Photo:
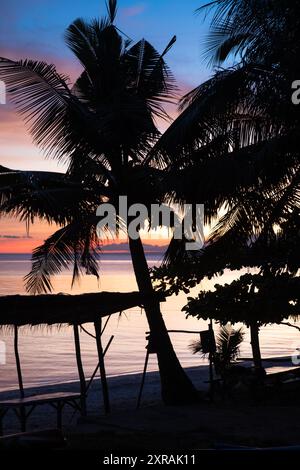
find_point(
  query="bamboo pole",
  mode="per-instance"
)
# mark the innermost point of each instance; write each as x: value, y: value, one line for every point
x: 97, y: 367
x: 18, y: 363
x: 98, y: 332
x: 20, y: 378
x: 80, y: 370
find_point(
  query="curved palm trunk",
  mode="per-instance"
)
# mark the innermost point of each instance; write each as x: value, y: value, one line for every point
x: 176, y: 387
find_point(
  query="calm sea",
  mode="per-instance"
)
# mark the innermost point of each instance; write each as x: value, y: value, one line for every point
x: 47, y: 355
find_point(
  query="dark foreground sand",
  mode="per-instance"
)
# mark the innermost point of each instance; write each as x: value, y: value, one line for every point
x: 123, y: 392
x: 274, y: 422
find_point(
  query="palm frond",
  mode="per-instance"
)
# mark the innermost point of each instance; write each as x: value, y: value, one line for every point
x: 228, y: 342
x: 74, y: 245
x: 241, y: 27
x: 52, y: 197
x: 80, y: 39
x: 153, y: 79
x: 51, y: 111
x: 112, y: 8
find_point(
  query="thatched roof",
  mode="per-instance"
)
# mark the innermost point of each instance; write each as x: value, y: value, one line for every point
x: 24, y: 310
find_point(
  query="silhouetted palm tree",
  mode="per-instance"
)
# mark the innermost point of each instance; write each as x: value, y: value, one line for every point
x: 228, y: 342
x: 240, y: 131
x: 103, y: 128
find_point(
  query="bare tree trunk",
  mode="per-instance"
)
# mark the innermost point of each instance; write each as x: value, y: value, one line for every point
x: 20, y: 379
x: 18, y: 363
x: 98, y: 333
x: 176, y: 387
x: 80, y: 370
x: 254, y: 334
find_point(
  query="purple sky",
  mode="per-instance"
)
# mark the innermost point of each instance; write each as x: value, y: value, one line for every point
x: 35, y: 28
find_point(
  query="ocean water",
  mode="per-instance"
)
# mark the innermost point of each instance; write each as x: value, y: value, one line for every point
x: 47, y: 355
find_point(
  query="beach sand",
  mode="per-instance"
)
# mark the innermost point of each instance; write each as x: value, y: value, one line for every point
x: 123, y: 391
x: 155, y: 426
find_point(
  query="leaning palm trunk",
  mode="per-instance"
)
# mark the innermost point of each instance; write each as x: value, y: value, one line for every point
x: 176, y: 388
x: 107, y: 143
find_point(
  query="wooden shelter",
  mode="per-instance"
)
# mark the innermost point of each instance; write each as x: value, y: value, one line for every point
x: 27, y: 310
x: 61, y: 309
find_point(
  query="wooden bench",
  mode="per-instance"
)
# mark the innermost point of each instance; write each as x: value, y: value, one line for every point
x: 23, y: 407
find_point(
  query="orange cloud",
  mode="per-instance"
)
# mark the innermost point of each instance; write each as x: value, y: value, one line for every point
x: 18, y: 245
x: 13, y: 235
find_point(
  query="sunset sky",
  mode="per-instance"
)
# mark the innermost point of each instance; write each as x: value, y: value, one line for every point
x: 34, y: 29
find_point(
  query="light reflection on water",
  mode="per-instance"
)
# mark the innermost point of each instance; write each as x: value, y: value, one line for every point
x: 47, y: 355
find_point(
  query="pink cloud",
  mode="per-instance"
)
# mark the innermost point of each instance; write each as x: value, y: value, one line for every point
x: 69, y: 66
x: 16, y: 147
x: 135, y: 10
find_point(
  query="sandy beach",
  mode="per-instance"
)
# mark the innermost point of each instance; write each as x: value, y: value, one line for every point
x: 203, y: 426
x: 123, y: 395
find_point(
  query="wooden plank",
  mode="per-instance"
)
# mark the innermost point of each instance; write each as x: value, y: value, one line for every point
x: 37, y: 399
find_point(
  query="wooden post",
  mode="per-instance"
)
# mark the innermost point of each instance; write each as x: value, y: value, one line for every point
x: 20, y: 379
x: 96, y: 369
x: 98, y: 332
x: 80, y: 370
x: 211, y: 358
x: 18, y: 364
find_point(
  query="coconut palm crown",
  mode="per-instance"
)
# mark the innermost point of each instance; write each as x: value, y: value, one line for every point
x: 103, y: 128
